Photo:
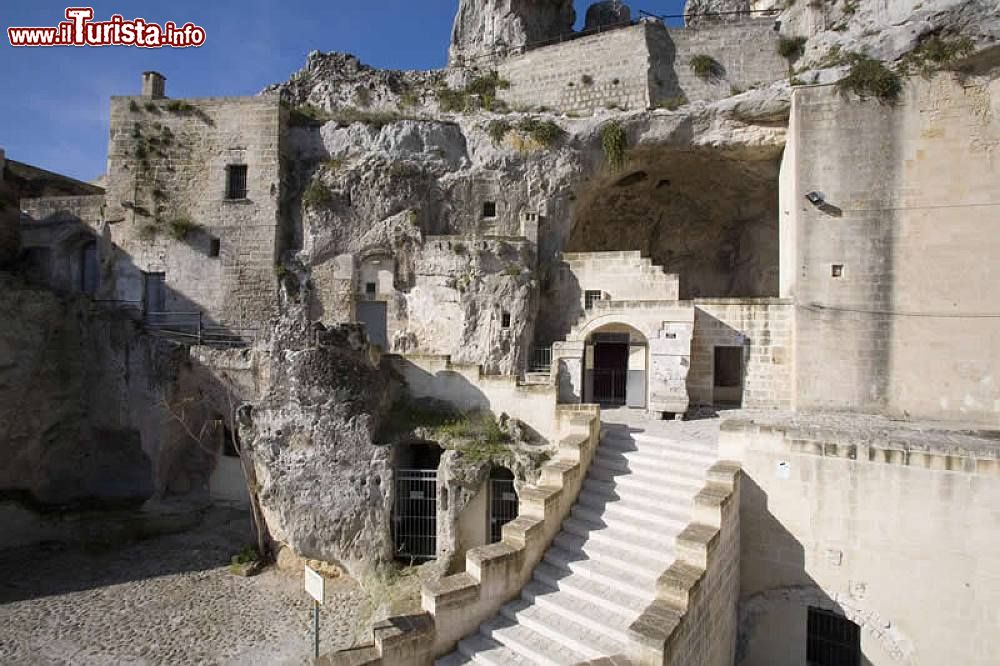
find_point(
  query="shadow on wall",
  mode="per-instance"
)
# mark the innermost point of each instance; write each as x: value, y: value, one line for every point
x: 794, y: 622
x: 561, y: 305
x: 713, y: 383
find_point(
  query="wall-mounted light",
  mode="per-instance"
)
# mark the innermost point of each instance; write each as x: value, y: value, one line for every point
x: 815, y: 198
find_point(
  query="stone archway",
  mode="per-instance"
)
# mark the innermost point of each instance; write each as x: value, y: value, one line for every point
x: 616, y: 366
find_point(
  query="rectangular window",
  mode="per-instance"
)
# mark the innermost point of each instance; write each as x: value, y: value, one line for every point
x: 214, y: 247
x: 371, y: 288
x: 489, y: 209
x: 728, y: 366
x: 505, y: 320
x: 832, y: 640
x: 590, y: 296
x: 236, y: 181
x: 837, y: 270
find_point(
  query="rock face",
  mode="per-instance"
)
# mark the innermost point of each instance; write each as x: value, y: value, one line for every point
x: 607, y: 13
x: 700, y: 12
x: 482, y: 29
x: 77, y: 391
x: 324, y: 485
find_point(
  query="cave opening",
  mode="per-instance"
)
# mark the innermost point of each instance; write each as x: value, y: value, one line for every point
x: 708, y: 216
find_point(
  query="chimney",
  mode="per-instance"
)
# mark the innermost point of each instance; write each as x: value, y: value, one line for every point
x: 154, y: 85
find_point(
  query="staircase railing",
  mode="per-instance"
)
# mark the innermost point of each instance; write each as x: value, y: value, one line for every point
x: 541, y: 360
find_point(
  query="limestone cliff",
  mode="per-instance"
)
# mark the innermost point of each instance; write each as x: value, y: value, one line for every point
x: 484, y: 28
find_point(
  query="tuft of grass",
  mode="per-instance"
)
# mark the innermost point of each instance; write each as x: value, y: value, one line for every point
x: 179, y: 106
x: 871, y: 78
x: 181, y: 227
x: 791, y: 48
x: 614, y: 142
x: 935, y: 52
x: 498, y: 130
x: 306, y: 114
x: 672, y: 103
x: 484, y: 86
x: 317, y: 195
x: 148, y: 232
x: 705, y: 67
x: 545, y: 132
x: 133, y: 106
x: 833, y: 58
x: 452, y: 101
x: 409, y: 99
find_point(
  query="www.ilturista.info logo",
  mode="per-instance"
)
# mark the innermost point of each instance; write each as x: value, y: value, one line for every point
x: 81, y: 30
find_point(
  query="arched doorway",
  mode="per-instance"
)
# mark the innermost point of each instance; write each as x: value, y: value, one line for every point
x: 616, y: 367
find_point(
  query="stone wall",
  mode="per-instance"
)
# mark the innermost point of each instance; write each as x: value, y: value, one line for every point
x: 53, y: 234
x: 857, y: 516
x: 746, y: 53
x: 9, y: 219
x: 890, y: 273
x: 638, y: 66
x: 616, y: 62
x: 167, y: 202
x: 763, y: 329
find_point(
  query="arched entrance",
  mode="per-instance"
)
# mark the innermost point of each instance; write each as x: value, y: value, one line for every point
x: 616, y: 367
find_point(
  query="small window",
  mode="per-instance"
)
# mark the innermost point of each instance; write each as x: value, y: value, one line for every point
x: 832, y: 640
x: 371, y: 288
x: 236, y: 181
x: 489, y: 209
x: 214, y: 247
x: 837, y: 270
x: 505, y: 320
x: 590, y: 296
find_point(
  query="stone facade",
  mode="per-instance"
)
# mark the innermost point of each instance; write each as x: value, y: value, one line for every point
x: 762, y: 328
x: 884, y: 271
x: 169, y: 211
x: 643, y: 65
x: 857, y: 516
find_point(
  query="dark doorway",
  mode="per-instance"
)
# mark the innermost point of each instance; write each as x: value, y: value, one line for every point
x: 89, y: 274
x: 373, y: 315
x: 832, y: 640
x: 155, y: 292
x: 503, y: 501
x: 610, y: 373
x: 728, y: 377
x: 414, y: 519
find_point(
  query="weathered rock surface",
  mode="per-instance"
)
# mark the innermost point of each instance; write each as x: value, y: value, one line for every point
x: 607, y: 13
x: 323, y: 483
x: 483, y: 29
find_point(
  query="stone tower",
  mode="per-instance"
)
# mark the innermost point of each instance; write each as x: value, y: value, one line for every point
x: 485, y: 30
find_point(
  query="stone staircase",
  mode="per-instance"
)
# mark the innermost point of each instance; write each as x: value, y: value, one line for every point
x: 600, y: 572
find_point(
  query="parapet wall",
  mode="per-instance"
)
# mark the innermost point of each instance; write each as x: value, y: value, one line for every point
x: 639, y: 66
x: 858, y: 516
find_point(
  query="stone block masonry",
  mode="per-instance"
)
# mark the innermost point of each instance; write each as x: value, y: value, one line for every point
x: 172, y: 209
x: 640, y: 66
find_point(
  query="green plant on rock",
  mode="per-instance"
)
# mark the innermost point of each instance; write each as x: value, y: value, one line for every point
x: 935, y: 52
x: 133, y: 106
x: 181, y: 227
x: 452, y: 101
x: 409, y: 99
x: 179, y: 106
x: 545, y: 132
x: 147, y: 232
x: 791, y: 48
x: 871, y: 78
x: 498, y: 130
x: 306, y: 114
x: 318, y: 195
x: 614, y: 142
x: 705, y: 67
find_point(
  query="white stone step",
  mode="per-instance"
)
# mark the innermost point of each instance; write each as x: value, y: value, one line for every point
x: 652, y: 462
x: 621, y: 557
x: 560, y: 629
x: 663, y: 499
x: 637, y: 441
x: 676, y: 488
x: 589, y: 513
x: 647, y: 544
x: 628, y: 508
x: 638, y: 582
x: 529, y: 644
x: 484, y: 650
x: 597, y: 618
x: 672, y: 488
x: 616, y: 599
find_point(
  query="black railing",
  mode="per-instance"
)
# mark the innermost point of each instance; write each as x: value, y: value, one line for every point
x: 541, y: 360
x: 503, y: 506
x: 190, y: 328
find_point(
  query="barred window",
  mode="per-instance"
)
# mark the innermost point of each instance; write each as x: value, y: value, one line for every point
x: 832, y: 640
x: 590, y: 296
x: 236, y: 181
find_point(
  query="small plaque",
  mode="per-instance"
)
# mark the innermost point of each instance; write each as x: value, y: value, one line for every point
x: 783, y: 470
x: 315, y: 584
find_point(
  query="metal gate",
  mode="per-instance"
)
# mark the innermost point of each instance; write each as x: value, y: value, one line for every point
x: 414, y: 519
x: 503, y: 506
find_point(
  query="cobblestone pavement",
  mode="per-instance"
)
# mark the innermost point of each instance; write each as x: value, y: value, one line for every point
x: 168, y: 600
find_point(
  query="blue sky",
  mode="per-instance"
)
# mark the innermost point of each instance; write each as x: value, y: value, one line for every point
x: 54, y: 106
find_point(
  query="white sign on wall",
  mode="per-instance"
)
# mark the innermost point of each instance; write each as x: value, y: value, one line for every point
x: 315, y: 584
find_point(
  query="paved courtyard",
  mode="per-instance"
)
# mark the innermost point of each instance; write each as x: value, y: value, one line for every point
x: 168, y: 600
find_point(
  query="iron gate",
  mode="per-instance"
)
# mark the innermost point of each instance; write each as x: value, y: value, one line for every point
x: 414, y: 517
x: 503, y: 506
